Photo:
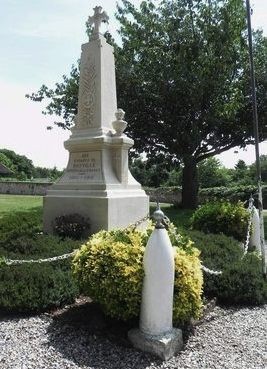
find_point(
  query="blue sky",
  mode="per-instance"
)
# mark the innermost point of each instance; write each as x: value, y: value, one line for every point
x: 40, y: 40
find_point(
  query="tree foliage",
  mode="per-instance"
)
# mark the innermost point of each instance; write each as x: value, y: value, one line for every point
x: 24, y: 168
x: 184, y: 64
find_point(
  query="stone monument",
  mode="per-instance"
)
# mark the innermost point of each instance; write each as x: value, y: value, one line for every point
x: 97, y: 183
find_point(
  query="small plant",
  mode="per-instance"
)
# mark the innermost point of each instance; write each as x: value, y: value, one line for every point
x: 109, y: 269
x: 222, y: 217
x: 72, y: 226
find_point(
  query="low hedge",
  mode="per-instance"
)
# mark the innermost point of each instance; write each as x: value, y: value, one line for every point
x: 233, y: 194
x: 222, y: 217
x: 33, y: 287
x: 241, y: 282
x: 36, y: 287
x: 18, y: 225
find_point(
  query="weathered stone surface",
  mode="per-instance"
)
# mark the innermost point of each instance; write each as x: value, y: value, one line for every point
x: 164, y: 346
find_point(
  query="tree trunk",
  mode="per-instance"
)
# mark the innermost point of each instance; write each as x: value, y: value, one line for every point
x: 190, y: 184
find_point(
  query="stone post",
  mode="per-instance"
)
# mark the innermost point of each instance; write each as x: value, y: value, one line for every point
x: 156, y: 334
x: 255, y: 239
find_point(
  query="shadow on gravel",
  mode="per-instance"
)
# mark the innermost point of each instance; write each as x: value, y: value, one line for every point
x: 82, y: 334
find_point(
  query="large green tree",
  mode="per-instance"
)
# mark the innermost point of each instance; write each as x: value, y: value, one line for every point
x: 183, y: 79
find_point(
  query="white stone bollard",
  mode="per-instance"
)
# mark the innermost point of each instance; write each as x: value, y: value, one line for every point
x: 255, y: 238
x: 158, y: 284
x: 156, y: 334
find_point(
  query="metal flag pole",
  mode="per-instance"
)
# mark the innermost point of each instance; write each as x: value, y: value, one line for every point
x: 256, y: 135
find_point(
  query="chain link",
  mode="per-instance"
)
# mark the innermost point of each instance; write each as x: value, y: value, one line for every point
x: 39, y: 261
x: 60, y: 257
x: 210, y: 271
x: 251, y: 209
x: 138, y: 222
x: 134, y: 225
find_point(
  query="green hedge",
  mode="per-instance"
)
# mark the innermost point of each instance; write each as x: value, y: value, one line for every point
x: 223, y: 217
x: 36, y: 287
x: 233, y: 194
x: 241, y: 282
x: 33, y: 287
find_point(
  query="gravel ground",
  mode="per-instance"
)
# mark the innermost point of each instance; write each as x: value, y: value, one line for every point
x: 226, y: 338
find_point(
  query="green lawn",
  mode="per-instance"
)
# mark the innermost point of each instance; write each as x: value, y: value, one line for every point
x: 15, y: 203
x: 179, y: 217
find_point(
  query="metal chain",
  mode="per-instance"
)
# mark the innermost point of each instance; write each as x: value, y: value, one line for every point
x: 48, y: 260
x: 138, y: 222
x: 209, y: 271
x: 134, y: 225
x: 55, y: 258
x: 251, y: 210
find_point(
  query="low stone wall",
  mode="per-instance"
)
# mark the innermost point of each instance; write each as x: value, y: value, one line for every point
x: 168, y: 195
x: 24, y: 188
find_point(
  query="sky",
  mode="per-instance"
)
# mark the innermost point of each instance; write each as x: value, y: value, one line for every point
x: 40, y: 40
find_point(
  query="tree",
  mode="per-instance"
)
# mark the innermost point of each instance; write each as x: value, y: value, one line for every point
x: 22, y: 166
x: 6, y: 161
x: 263, y: 164
x: 152, y: 172
x: 184, y: 63
x: 212, y: 173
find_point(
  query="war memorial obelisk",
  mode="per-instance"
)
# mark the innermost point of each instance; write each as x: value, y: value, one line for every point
x: 97, y: 183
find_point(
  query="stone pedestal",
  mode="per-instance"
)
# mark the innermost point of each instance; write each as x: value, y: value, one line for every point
x: 97, y: 182
x: 164, y: 346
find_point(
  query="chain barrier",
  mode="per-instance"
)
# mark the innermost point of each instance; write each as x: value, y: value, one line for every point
x: 5, y: 261
x: 251, y: 211
x: 210, y: 271
x: 135, y: 225
x: 38, y: 261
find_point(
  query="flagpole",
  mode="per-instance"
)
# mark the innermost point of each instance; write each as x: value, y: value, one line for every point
x: 256, y: 134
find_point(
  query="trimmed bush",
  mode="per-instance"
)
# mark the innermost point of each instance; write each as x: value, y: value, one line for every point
x: 36, y: 287
x: 109, y: 269
x: 72, y: 226
x: 222, y: 217
x: 241, y: 281
x: 233, y: 194
x: 33, y: 287
x: 19, y: 225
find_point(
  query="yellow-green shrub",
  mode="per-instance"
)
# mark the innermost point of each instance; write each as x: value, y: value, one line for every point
x: 109, y: 269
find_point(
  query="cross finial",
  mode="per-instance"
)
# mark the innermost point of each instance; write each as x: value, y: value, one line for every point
x: 97, y: 19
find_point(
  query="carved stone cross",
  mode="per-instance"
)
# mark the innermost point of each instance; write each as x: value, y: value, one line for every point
x: 97, y: 19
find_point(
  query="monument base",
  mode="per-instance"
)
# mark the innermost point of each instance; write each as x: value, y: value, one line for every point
x: 164, y: 346
x: 110, y: 212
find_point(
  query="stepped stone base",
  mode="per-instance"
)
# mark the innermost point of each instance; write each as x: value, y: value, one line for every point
x: 164, y: 346
x: 106, y: 213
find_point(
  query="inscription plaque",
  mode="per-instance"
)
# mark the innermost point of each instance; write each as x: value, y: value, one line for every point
x: 84, y: 166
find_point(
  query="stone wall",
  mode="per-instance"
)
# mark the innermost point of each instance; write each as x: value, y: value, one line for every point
x: 24, y: 188
x: 168, y: 195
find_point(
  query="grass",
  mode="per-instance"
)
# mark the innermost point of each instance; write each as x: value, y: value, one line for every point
x: 18, y: 203
x: 179, y: 217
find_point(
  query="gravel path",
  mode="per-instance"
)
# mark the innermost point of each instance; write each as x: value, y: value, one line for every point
x: 232, y: 339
